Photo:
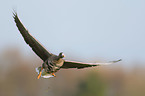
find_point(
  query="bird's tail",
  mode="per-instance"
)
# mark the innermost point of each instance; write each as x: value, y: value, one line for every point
x: 44, y: 74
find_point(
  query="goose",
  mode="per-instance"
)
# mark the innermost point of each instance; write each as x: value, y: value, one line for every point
x: 51, y: 62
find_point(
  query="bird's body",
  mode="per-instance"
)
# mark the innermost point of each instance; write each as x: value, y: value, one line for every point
x: 51, y: 63
x: 50, y: 66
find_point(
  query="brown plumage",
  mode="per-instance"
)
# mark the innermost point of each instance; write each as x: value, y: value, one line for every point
x: 52, y: 63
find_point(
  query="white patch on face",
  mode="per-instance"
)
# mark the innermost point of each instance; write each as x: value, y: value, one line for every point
x: 44, y: 74
x: 63, y: 55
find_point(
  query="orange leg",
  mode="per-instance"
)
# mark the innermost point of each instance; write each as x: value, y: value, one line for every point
x: 40, y: 73
x: 53, y: 75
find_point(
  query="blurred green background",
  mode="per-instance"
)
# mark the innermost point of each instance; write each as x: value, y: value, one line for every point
x: 18, y: 78
x: 86, y: 31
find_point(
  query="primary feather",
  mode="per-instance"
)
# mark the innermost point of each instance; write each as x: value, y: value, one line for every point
x: 30, y: 40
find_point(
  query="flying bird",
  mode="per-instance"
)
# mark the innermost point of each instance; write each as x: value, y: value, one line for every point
x: 51, y: 62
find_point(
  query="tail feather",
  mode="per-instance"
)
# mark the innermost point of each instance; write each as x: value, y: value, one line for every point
x: 44, y: 73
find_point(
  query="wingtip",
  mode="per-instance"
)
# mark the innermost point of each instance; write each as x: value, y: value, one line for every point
x: 120, y: 60
x: 14, y: 13
x: 116, y: 61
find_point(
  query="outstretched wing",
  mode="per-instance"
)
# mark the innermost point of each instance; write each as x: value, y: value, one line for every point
x: 79, y: 65
x: 30, y: 40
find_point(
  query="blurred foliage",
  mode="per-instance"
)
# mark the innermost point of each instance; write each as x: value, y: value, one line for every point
x: 92, y: 85
x: 18, y: 78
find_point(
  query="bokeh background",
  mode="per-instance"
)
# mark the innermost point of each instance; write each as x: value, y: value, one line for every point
x: 86, y: 31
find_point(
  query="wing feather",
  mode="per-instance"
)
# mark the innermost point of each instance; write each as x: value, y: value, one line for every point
x: 79, y: 65
x: 30, y: 40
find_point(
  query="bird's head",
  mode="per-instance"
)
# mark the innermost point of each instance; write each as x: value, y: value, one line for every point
x: 61, y: 55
